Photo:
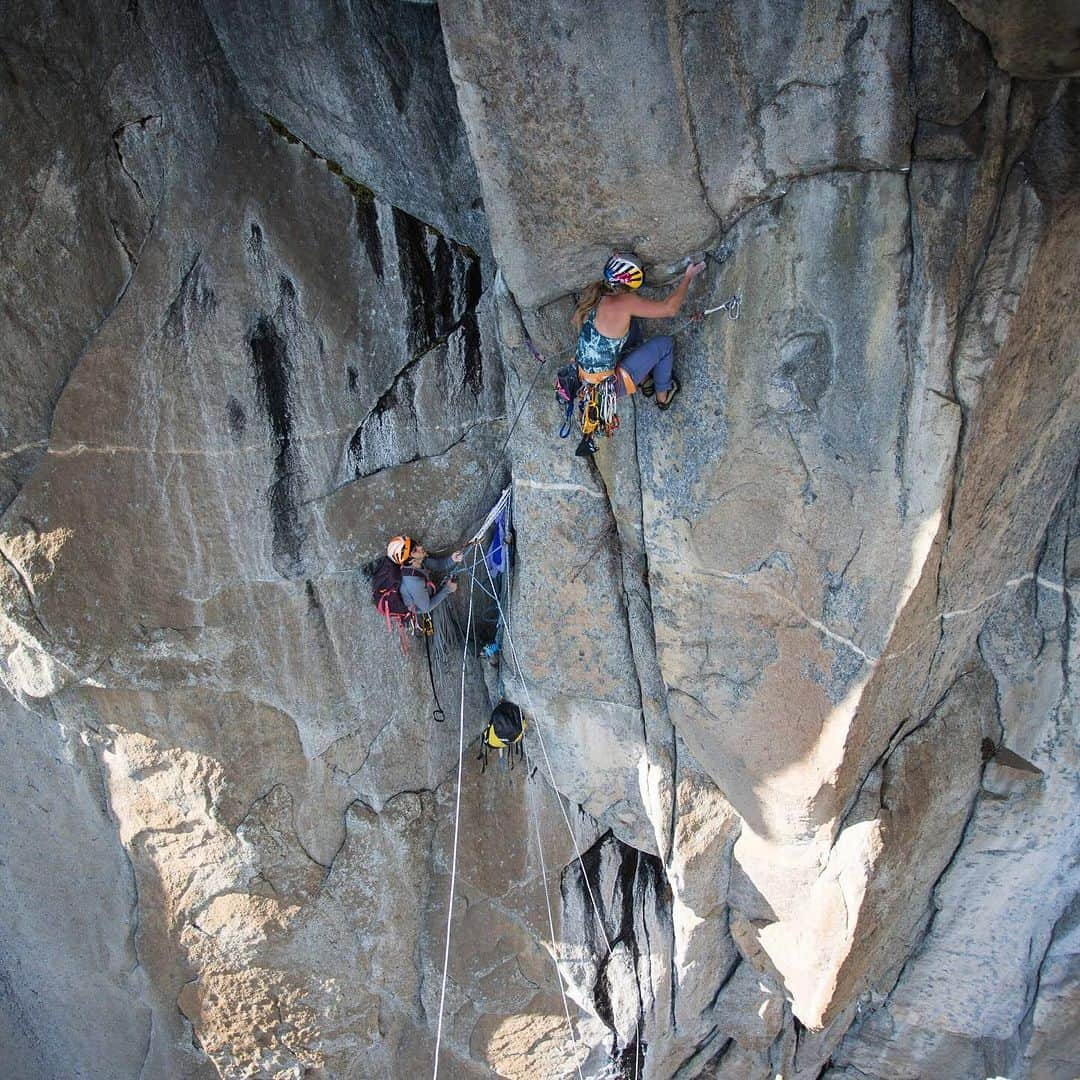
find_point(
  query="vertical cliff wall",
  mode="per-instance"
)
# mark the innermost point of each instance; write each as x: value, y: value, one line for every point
x: 801, y: 651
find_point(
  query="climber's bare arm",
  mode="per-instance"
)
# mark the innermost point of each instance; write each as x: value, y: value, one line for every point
x: 620, y: 308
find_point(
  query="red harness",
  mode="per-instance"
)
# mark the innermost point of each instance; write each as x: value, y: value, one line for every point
x: 404, y: 618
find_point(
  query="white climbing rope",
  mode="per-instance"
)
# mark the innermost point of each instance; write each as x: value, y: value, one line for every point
x: 457, y: 821
x: 547, y: 761
x: 551, y: 925
x: 496, y: 510
x: 558, y: 796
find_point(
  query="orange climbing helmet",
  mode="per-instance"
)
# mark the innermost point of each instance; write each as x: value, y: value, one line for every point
x: 399, y: 549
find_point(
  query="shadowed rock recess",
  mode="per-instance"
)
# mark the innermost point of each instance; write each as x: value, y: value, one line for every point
x: 804, y: 652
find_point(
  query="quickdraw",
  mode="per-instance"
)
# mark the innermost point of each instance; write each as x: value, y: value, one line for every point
x: 731, y: 306
x: 589, y: 409
x: 607, y: 402
x: 598, y: 408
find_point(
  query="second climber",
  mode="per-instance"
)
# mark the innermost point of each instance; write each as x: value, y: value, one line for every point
x: 417, y: 589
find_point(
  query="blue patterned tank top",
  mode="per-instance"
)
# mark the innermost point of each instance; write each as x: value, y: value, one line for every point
x: 597, y: 352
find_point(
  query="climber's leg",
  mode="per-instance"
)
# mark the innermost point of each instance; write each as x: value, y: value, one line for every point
x: 655, y: 357
x: 634, y: 339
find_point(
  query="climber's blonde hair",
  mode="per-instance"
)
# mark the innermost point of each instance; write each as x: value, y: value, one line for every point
x: 590, y: 297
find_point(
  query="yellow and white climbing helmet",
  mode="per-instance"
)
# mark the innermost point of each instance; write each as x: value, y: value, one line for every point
x: 624, y: 270
x: 399, y: 549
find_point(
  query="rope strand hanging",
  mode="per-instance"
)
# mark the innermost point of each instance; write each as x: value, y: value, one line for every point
x: 457, y: 822
x: 558, y: 796
x: 551, y: 772
x: 551, y: 926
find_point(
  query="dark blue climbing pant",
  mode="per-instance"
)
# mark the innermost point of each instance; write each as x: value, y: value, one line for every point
x: 655, y: 355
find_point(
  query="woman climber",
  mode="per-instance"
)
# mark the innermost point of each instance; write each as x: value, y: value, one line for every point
x: 611, y: 344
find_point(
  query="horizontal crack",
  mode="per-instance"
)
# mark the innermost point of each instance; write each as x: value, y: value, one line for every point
x: 869, y: 658
x: 782, y: 185
x: 76, y: 448
x: 817, y: 624
x: 22, y: 448
x: 468, y: 430
x: 1012, y: 583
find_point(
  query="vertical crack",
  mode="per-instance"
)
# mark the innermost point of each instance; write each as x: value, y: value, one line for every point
x: 149, y: 1043
x: 28, y: 591
x: 675, y: 21
x: 116, y: 137
x: 903, y: 427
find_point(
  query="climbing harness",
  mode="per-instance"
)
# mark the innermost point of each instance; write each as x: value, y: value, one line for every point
x: 596, y: 402
x: 386, y: 596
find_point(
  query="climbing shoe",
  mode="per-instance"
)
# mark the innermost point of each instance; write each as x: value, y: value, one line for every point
x: 586, y: 448
x: 665, y: 405
x: 648, y: 387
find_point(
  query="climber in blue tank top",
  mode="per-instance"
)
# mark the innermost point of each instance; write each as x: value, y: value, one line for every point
x: 610, y: 343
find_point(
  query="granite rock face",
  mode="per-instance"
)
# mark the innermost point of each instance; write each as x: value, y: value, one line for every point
x: 1033, y: 41
x: 367, y: 86
x: 799, y: 656
x: 736, y: 101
